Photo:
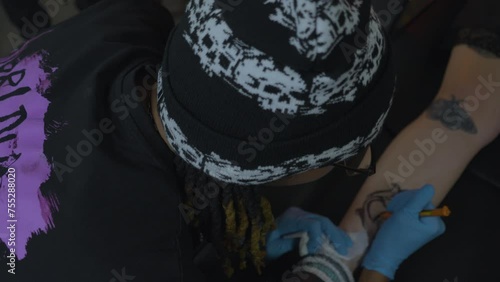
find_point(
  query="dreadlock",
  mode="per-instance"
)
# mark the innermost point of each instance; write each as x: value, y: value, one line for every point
x: 236, y: 219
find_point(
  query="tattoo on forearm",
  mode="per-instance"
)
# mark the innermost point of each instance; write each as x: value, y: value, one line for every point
x: 452, y: 115
x: 375, y: 204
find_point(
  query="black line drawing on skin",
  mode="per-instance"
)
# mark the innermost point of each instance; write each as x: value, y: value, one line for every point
x: 374, y: 205
x: 452, y: 115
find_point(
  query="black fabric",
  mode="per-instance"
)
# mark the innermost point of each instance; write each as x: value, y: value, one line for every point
x: 481, y: 38
x: 257, y: 30
x: 223, y: 126
x: 217, y: 111
x: 238, y: 117
x: 387, y: 10
x: 477, y: 25
x: 84, y: 4
x: 97, y: 192
x: 479, y: 14
x: 27, y: 15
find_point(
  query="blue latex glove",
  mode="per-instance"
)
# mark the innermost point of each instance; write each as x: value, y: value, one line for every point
x: 295, y: 220
x: 404, y: 232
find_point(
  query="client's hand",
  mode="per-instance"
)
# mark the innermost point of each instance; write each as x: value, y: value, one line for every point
x: 295, y: 220
x: 404, y: 232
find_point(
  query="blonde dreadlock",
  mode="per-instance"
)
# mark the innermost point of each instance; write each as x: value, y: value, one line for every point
x: 236, y: 220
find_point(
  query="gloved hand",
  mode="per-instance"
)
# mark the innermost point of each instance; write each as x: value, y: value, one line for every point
x: 295, y: 220
x: 404, y: 232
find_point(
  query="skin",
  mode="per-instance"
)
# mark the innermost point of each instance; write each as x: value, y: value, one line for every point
x: 372, y: 276
x: 465, y: 137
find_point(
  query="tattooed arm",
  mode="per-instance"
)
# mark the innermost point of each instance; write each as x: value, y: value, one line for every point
x: 369, y: 213
x: 438, y: 145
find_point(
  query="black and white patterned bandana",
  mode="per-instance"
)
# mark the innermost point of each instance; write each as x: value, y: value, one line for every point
x: 257, y: 91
